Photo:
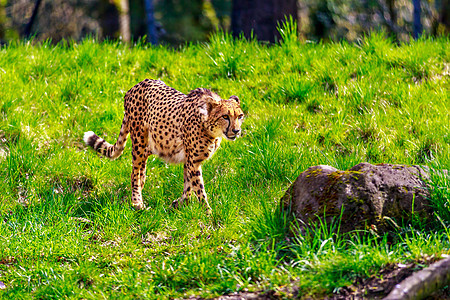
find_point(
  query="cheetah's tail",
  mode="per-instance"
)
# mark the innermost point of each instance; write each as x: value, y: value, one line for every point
x: 105, y: 148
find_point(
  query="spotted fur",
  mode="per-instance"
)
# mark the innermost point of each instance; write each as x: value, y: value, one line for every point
x: 178, y: 128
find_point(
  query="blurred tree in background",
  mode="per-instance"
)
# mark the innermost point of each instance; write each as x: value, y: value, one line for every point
x: 178, y: 21
x: 185, y: 20
x: 349, y: 19
x: 61, y: 19
x: 261, y: 18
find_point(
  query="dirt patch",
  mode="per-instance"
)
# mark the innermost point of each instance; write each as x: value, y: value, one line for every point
x: 64, y: 184
x: 378, y: 286
x: 8, y: 260
x: 374, y: 287
x: 247, y: 296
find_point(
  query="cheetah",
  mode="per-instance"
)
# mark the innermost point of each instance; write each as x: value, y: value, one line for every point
x: 179, y: 128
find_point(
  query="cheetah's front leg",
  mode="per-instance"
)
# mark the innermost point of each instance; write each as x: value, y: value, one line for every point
x: 193, y: 183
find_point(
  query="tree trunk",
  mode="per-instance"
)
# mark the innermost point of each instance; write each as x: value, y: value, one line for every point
x: 109, y: 19
x: 393, y: 18
x: 124, y: 12
x: 261, y: 18
x: 444, y: 16
x: 33, y: 17
x: 417, y: 21
x: 150, y: 22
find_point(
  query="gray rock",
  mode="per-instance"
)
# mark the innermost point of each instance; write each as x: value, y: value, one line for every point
x: 423, y: 283
x: 374, y: 197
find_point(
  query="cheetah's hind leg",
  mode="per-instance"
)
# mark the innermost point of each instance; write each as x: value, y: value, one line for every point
x: 177, y: 203
x: 138, y: 175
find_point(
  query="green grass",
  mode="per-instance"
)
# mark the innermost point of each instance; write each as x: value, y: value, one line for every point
x: 66, y: 225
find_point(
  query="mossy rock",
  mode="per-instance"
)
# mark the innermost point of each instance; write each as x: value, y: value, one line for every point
x: 369, y: 197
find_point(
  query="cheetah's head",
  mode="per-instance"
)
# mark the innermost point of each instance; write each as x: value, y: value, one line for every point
x: 222, y: 118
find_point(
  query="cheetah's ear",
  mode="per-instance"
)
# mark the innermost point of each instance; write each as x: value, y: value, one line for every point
x: 211, y: 103
x: 207, y: 106
x: 235, y: 98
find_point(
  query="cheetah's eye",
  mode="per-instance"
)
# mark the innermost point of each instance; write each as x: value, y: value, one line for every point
x: 226, y: 117
x: 241, y: 117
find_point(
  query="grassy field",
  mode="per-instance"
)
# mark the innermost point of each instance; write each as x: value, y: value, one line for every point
x: 67, y: 229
